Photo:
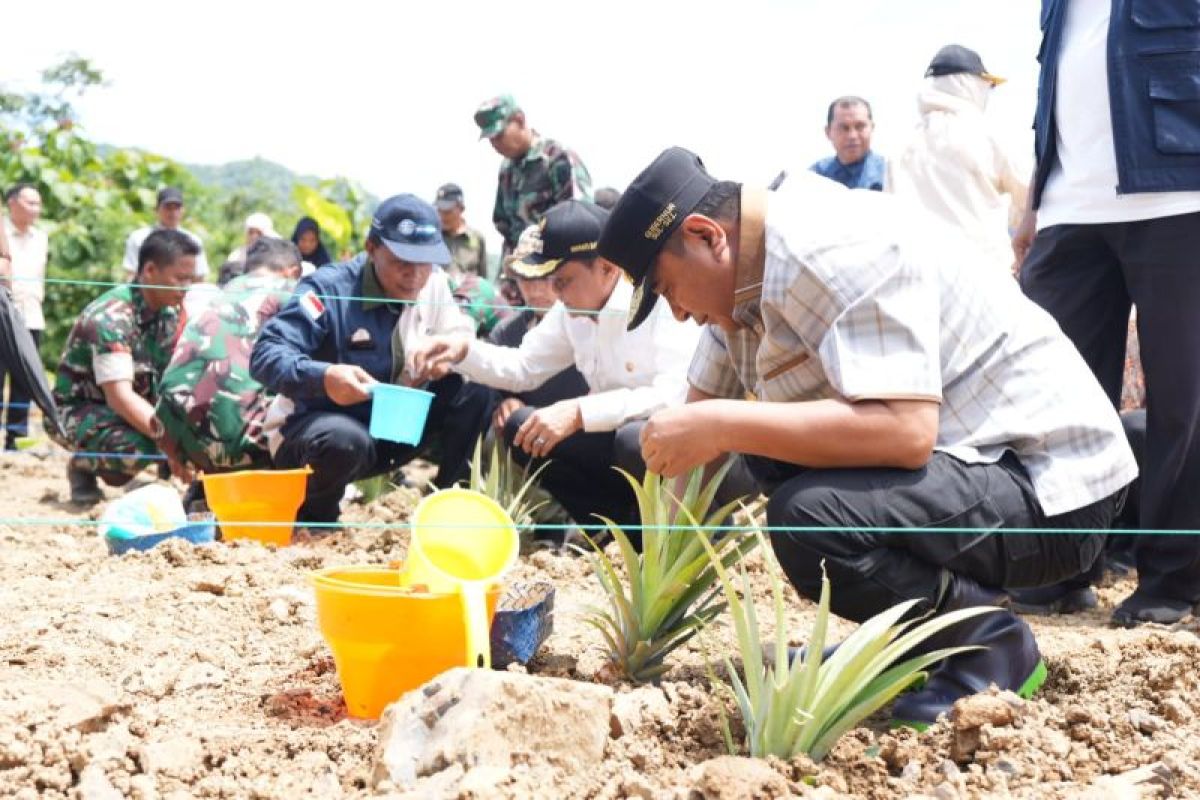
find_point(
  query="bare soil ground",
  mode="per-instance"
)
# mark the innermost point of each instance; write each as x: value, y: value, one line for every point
x: 199, y: 672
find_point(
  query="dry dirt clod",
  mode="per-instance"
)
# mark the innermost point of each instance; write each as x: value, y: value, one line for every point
x: 1144, y: 721
x: 737, y: 778
x: 478, y: 717
x: 640, y: 708
x: 979, y: 710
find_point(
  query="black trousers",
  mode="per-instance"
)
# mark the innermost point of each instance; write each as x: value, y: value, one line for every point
x: 1087, y: 276
x: 340, y: 449
x: 580, y: 475
x: 872, y: 570
x: 16, y: 408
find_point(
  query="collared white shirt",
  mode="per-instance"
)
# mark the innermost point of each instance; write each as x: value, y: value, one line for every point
x: 436, y: 313
x: 136, y: 239
x: 630, y: 374
x: 858, y: 296
x: 30, y: 252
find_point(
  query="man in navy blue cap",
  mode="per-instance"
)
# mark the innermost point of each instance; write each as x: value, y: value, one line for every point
x: 347, y: 327
x: 899, y: 387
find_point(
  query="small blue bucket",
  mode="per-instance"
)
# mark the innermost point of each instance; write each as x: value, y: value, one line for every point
x: 398, y: 413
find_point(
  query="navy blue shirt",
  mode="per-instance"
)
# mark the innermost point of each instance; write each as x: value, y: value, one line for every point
x: 322, y: 325
x: 865, y: 174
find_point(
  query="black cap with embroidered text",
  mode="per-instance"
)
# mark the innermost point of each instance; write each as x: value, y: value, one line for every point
x: 411, y: 229
x: 649, y: 211
x: 954, y: 58
x: 569, y: 230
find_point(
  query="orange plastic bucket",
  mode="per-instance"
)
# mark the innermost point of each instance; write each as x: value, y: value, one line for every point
x: 387, y: 640
x: 242, y: 499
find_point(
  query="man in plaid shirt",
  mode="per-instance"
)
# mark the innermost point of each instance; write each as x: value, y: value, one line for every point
x: 898, y: 386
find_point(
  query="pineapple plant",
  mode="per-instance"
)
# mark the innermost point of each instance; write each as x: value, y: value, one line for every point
x: 806, y: 706
x: 670, y: 590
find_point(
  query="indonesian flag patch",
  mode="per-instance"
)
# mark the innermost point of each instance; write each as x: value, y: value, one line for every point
x: 312, y: 305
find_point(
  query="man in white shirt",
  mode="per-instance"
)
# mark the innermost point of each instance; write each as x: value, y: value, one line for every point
x: 630, y: 374
x: 900, y: 387
x: 29, y: 248
x: 954, y: 165
x: 169, y: 210
x: 1115, y: 204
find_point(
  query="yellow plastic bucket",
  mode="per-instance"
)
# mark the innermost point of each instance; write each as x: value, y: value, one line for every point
x: 387, y: 640
x: 462, y: 541
x: 241, y: 499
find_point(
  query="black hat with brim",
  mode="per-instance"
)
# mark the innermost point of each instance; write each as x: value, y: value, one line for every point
x: 569, y: 230
x: 649, y: 211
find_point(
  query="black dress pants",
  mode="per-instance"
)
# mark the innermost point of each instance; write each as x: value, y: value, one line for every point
x: 963, y: 510
x: 16, y: 416
x: 340, y: 449
x: 1086, y: 277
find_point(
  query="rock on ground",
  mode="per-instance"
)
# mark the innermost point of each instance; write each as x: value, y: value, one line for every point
x: 479, y: 718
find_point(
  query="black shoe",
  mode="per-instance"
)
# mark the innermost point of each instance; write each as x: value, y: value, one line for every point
x: 1010, y: 660
x: 164, y: 471
x: 1139, y: 608
x: 1057, y: 599
x: 960, y: 593
x: 85, y: 491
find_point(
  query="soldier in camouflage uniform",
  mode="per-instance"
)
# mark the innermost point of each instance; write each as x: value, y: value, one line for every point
x: 537, y: 172
x: 210, y: 408
x: 468, y: 248
x: 115, y: 354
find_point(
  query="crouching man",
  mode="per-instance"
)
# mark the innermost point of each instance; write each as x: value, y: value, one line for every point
x: 211, y: 409
x: 901, y: 387
x: 109, y: 375
x: 630, y: 374
x: 347, y: 327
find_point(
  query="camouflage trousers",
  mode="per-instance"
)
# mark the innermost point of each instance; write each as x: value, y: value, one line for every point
x: 106, y: 442
x: 223, y: 436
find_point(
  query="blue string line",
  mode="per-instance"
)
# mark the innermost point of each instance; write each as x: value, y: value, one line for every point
x: 68, y: 521
x: 86, y: 454
x: 388, y: 300
x: 16, y: 405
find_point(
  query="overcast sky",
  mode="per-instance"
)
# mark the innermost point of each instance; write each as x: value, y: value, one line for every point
x: 384, y: 92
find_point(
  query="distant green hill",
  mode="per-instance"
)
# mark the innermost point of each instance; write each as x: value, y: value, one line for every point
x: 256, y: 175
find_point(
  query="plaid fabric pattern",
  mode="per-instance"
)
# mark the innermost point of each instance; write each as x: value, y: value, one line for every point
x: 854, y: 295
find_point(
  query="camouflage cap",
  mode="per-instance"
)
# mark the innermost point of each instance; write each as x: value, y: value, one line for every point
x: 493, y: 114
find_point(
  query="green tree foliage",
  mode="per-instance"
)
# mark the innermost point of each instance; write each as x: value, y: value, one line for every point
x: 94, y: 196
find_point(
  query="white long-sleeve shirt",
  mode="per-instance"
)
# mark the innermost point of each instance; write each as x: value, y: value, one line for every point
x: 630, y: 374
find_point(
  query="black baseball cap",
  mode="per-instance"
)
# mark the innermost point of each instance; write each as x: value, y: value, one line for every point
x: 569, y: 230
x: 169, y: 194
x: 411, y: 229
x: 449, y: 195
x: 954, y: 58
x: 653, y: 206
